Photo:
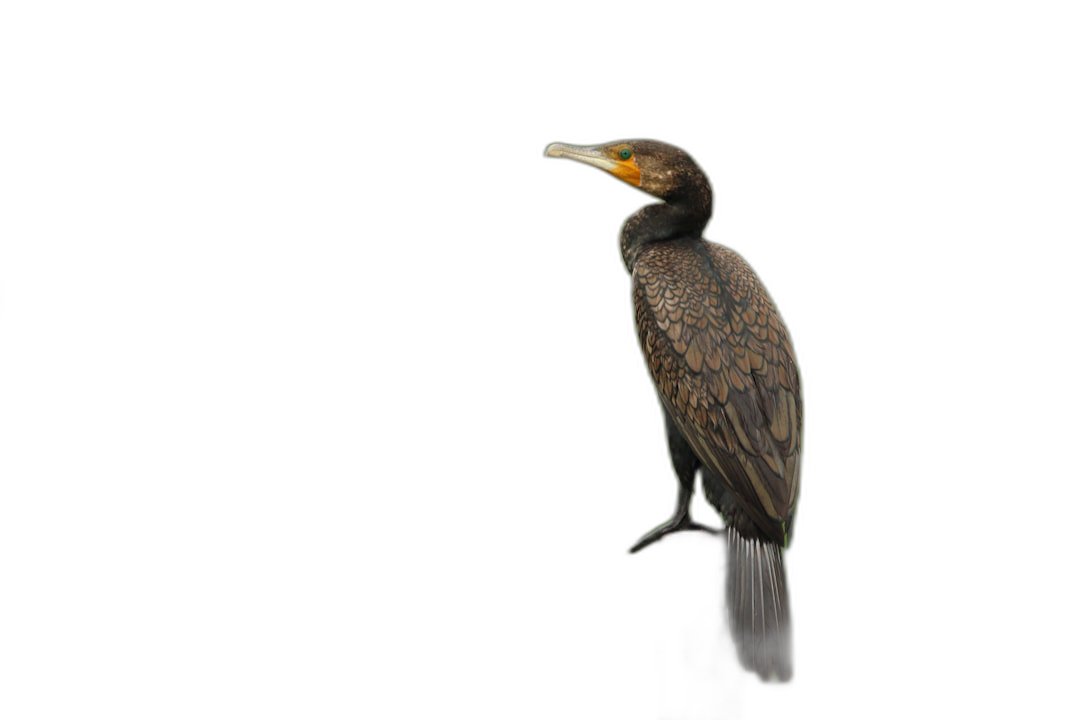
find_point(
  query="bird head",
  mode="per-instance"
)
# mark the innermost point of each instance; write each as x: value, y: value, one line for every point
x: 661, y: 170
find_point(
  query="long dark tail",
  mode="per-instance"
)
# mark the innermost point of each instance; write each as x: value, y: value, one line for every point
x: 757, y: 601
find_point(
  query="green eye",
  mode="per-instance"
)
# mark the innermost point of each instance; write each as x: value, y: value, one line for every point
x: 625, y: 153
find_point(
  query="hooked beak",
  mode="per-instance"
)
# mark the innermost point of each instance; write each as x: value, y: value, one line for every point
x: 626, y: 170
x: 588, y: 155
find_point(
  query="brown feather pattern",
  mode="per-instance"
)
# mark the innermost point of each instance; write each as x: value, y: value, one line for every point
x: 724, y: 366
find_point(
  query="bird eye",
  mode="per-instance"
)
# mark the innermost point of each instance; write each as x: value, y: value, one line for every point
x: 625, y: 153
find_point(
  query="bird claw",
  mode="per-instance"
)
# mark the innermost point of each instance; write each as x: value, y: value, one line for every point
x: 675, y: 524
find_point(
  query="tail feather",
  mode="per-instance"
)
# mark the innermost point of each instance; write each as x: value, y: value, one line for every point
x: 757, y: 602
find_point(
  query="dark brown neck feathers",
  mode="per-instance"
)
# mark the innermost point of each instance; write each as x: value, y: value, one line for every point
x: 682, y: 216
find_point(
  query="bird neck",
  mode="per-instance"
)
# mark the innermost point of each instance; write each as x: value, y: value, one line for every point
x: 664, y: 221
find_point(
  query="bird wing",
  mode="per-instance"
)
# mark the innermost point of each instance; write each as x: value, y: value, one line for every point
x: 725, y: 369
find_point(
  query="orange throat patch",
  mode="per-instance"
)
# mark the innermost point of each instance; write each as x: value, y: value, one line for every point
x: 628, y: 171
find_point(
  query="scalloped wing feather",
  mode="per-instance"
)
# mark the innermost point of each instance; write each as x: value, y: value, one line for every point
x: 723, y: 364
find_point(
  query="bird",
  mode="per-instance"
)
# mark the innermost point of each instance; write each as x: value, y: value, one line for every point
x: 723, y: 365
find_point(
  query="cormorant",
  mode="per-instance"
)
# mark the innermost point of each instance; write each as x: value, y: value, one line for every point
x: 722, y: 362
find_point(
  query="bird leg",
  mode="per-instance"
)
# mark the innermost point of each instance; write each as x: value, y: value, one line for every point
x: 679, y: 522
x: 686, y: 465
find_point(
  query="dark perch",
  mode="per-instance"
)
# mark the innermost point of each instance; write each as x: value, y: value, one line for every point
x: 723, y: 365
